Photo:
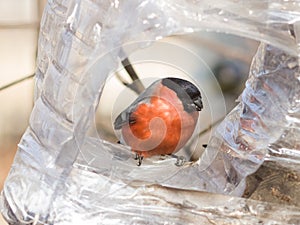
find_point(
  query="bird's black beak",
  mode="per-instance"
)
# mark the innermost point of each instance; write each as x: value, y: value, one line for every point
x: 198, y: 103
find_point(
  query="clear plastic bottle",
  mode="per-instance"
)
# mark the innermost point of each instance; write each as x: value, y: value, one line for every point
x: 61, y: 175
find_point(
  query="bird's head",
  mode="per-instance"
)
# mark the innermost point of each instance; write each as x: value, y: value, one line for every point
x: 187, y: 92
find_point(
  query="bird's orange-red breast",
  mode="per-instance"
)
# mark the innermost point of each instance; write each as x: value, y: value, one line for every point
x: 162, y: 119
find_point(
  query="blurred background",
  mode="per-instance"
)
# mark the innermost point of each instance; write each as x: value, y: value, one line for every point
x: 19, y: 26
x: 227, y: 56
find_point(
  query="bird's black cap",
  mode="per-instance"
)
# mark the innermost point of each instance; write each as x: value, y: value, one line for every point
x: 186, y: 91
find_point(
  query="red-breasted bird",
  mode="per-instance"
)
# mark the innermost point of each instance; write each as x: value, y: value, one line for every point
x: 162, y: 119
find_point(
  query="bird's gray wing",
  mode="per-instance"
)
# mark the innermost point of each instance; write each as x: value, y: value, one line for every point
x: 126, y: 116
x: 122, y: 119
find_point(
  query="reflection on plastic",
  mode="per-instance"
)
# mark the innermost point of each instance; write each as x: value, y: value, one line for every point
x: 62, y: 176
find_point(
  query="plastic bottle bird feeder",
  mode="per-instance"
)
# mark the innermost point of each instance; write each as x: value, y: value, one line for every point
x: 62, y: 175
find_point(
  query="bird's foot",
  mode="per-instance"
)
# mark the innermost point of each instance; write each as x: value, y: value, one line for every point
x: 180, y: 160
x: 139, y: 159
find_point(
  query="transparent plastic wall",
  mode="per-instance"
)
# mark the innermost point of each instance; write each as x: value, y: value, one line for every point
x: 62, y: 175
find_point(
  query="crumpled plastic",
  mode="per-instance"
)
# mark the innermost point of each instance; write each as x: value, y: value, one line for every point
x: 62, y: 175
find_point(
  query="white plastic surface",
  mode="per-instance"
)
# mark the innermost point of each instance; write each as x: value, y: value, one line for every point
x: 61, y: 175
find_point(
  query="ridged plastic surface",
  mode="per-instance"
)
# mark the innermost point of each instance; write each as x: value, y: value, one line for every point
x: 61, y: 175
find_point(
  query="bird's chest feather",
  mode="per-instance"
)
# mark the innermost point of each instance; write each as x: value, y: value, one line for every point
x: 160, y: 126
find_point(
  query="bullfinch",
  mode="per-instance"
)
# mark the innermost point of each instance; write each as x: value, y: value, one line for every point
x: 162, y: 119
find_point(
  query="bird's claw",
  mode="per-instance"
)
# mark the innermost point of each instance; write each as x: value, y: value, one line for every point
x: 139, y: 159
x: 180, y: 161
